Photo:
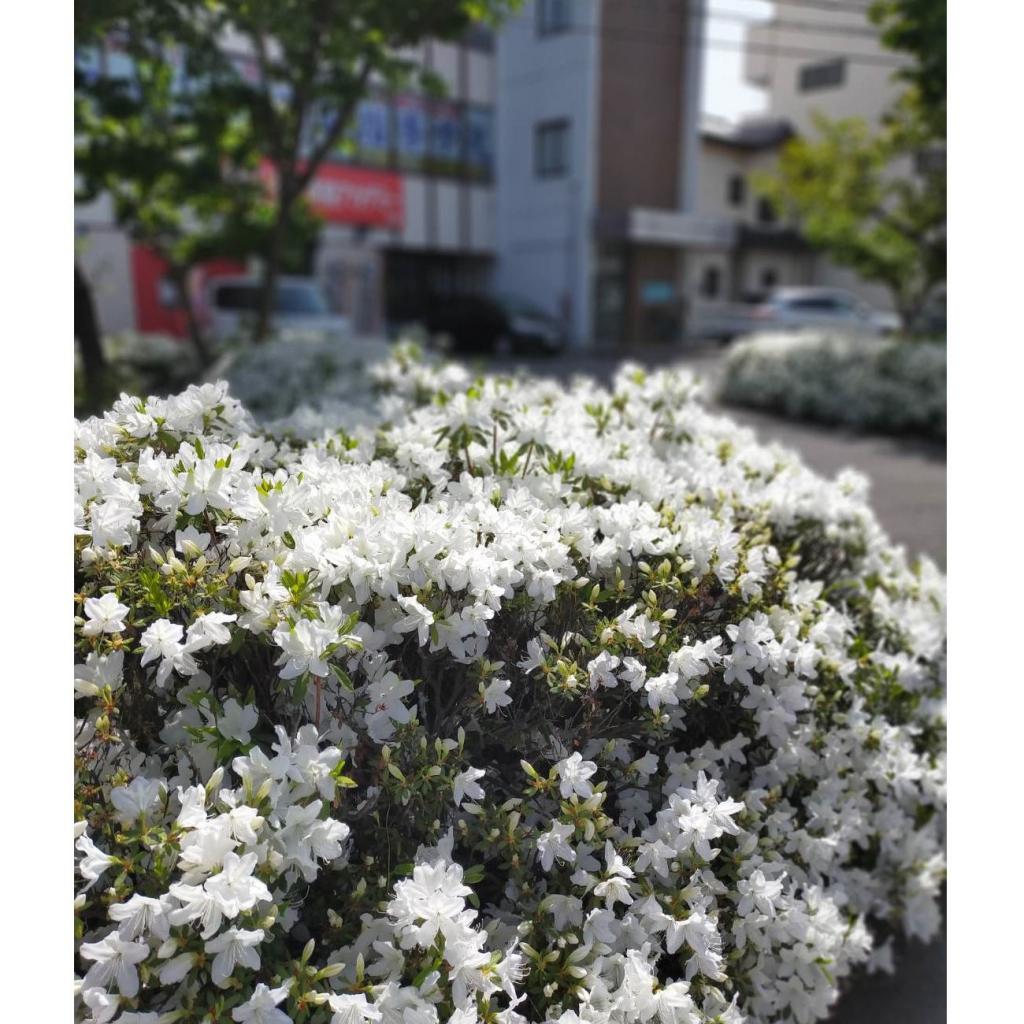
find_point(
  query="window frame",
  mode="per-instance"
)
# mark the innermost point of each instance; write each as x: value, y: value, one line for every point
x: 822, y: 74
x: 553, y: 17
x: 767, y: 215
x: 736, y: 190
x: 559, y: 126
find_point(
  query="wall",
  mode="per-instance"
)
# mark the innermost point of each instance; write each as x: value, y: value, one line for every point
x: 543, y: 224
x: 640, y: 111
x: 867, y: 89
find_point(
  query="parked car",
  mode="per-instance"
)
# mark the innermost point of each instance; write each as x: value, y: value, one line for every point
x: 822, y: 307
x: 501, y: 323
x: 794, y: 309
x: 231, y: 303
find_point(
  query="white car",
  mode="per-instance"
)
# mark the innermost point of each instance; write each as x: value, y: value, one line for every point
x: 231, y: 305
x: 821, y: 307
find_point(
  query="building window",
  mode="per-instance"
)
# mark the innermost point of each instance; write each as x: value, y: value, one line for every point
x: 822, y: 75
x: 553, y: 16
x: 737, y: 189
x: 765, y: 211
x: 711, y: 282
x: 551, y: 149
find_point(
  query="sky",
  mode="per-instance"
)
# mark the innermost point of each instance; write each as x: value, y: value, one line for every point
x: 725, y: 93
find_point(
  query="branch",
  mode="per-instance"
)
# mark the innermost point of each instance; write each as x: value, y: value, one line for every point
x: 273, y: 124
x: 330, y: 140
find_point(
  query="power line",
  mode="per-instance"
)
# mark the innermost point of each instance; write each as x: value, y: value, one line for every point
x: 666, y: 39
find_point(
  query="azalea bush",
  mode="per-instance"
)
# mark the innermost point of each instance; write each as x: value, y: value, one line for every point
x: 305, y: 375
x: 884, y: 385
x: 513, y: 703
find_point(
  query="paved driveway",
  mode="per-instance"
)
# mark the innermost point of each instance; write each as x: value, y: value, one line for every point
x: 909, y: 497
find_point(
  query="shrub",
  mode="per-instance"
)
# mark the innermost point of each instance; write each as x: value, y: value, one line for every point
x: 865, y: 383
x: 305, y: 376
x: 520, y: 704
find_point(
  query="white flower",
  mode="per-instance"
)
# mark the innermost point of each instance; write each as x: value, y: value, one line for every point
x: 464, y: 784
x: 234, y: 947
x: 573, y: 772
x: 210, y: 628
x: 161, y: 639
x: 417, y: 618
x: 235, y: 720
x: 140, y: 916
x: 115, y: 960
x: 95, y: 861
x: 351, y: 1009
x: 554, y: 843
x: 235, y: 888
x: 615, y: 887
x: 102, y: 1004
x: 757, y: 891
x: 496, y: 695
x: 104, y: 614
x: 261, y: 1007
x: 138, y: 798
x: 99, y: 671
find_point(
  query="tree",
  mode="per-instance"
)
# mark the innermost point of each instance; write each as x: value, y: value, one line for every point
x: 177, y: 161
x: 315, y: 60
x: 87, y: 333
x: 890, y: 228
x: 876, y: 202
x: 918, y: 28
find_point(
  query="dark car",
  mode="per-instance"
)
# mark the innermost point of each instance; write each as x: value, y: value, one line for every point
x: 502, y: 324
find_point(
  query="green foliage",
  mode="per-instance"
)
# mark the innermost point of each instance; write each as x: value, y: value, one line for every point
x: 918, y: 28
x: 890, y: 227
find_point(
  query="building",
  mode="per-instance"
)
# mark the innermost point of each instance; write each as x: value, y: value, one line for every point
x: 561, y: 167
x: 597, y: 107
x: 758, y: 252
x: 822, y: 59
x: 407, y: 199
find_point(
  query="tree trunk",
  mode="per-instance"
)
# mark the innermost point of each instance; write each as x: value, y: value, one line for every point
x: 271, y: 268
x: 195, y: 331
x: 87, y: 333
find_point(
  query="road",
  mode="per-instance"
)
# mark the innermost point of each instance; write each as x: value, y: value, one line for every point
x: 908, y: 495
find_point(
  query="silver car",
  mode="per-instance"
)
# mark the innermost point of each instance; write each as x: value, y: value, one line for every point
x: 821, y: 307
x: 299, y: 307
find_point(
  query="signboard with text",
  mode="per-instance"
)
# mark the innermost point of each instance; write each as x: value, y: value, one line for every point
x: 351, y: 195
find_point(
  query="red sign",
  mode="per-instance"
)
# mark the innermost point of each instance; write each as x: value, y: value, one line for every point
x: 351, y: 195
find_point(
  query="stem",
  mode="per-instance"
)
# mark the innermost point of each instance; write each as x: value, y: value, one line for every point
x: 529, y: 455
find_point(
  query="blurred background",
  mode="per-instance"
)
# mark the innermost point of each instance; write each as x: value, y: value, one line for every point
x: 562, y: 175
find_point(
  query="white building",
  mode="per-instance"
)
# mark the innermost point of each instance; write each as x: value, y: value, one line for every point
x: 822, y: 57
x: 597, y: 104
x: 759, y: 252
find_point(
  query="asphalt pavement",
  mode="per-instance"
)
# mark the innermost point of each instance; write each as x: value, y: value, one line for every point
x: 908, y: 494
